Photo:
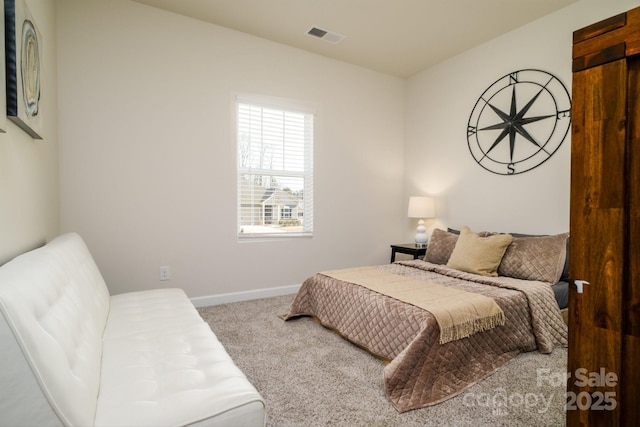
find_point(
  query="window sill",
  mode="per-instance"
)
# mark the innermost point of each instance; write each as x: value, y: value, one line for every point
x: 270, y: 237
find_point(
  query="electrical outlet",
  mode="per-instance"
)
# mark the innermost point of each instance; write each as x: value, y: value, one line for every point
x: 165, y: 272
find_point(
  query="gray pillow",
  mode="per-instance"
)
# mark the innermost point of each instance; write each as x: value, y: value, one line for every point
x: 535, y: 258
x: 440, y: 246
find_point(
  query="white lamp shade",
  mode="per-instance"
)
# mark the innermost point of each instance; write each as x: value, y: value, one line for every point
x: 421, y: 207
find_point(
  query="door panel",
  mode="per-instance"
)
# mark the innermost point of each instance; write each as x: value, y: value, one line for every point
x: 630, y: 381
x: 604, y: 321
x: 597, y: 238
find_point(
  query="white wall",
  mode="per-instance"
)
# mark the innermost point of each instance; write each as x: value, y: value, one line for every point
x: 438, y: 104
x: 147, y: 150
x: 29, y: 211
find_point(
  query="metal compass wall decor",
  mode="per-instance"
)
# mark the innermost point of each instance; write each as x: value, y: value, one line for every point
x: 519, y: 122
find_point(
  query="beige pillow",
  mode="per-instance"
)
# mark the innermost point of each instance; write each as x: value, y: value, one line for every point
x: 535, y: 258
x: 479, y: 255
x: 441, y: 244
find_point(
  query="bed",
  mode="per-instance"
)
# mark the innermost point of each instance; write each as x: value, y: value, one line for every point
x: 423, y: 366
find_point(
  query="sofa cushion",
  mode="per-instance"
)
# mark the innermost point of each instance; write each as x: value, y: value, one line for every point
x: 55, y: 302
x: 163, y: 365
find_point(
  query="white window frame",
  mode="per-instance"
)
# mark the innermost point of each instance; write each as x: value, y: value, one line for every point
x: 255, y: 228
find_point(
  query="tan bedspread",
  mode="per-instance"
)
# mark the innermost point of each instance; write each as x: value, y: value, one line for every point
x: 422, y: 371
x: 458, y: 313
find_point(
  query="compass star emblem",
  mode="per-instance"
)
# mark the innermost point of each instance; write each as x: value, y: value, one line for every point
x: 514, y: 122
x: 543, y: 121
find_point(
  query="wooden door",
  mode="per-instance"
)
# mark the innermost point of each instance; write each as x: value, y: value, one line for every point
x: 604, y: 320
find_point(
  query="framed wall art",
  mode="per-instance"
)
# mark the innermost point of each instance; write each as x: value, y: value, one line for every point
x: 3, y: 78
x: 22, y: 47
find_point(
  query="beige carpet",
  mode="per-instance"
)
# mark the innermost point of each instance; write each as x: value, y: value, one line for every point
x: 309, y: 376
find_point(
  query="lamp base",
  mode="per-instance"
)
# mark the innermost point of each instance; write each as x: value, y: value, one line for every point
x: 421, y: 235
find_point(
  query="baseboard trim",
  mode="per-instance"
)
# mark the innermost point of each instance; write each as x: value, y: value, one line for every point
x: 244, y: 295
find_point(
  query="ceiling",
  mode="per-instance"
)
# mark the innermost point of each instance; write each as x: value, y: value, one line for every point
x: 396, y: 37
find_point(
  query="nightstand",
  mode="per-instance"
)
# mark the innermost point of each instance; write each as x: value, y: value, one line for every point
x: 408, y: 248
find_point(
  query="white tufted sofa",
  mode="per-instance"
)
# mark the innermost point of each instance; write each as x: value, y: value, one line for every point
x: 70, y: 354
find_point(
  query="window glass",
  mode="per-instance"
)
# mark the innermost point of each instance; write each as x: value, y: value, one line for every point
x: 275, y: 171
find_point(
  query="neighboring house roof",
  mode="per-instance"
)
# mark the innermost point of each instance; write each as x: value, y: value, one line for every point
x: 271, y: 196
x: 275, y: 196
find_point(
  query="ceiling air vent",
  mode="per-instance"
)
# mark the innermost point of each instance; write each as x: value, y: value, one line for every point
x: 325, y: 35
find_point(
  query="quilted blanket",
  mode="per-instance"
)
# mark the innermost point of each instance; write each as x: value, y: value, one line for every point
x: 421, y: 371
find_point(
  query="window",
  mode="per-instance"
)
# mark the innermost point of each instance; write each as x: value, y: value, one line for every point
x: 275, y: 170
